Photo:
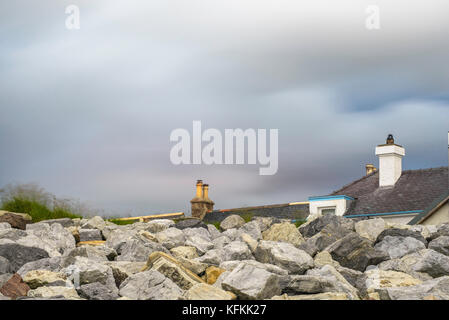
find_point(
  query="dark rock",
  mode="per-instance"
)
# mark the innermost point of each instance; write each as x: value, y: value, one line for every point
x: 328, y: 235
x: 97, y: 291
x: 18, y: 254
x: 395, y: 232
x: 50, y: 264
x: 315, y: 226
x: 190, y: 223
x: 5, y: 266
x: 16, y: 221
x: 440, y: 244
x: 356, y: 252
x: 90, y: 235
x: 15, y: 287
x: 300, y: 284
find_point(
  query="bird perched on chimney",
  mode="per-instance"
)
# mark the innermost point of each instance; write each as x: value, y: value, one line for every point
x: 390, y: 139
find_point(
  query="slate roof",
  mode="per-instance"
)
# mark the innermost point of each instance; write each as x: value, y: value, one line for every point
x: 281, y: 211
x: 415, y: 190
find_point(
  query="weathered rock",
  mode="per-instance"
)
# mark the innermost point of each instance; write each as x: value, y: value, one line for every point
x: 23, y: 215
x: 356, y: 278
x: 220, y: 242
x: 4, y: 278
x: 263, y: 222
x: 212, y: 274
x: 12, y: 234
x: 170, y: 238
x: 249, y: 282
x: 233, y: 234
x: 18, y: 255
x: 440, y: 244
x: 190, y: 223
x: 336, y: 282
x: 318, y: 296
x: 50, y: 264
x: 377, y: 279
x: 38, y: 278
x: 119, y: 237
x: 75, y: 233
x: 203, y: 291
x: 284, y: 255
x: 370, y: 228
x: 49, y: 292
x: 308, y: 284
x: 402, y: 265
x: 311, y: 228
x: 356, y: 252
x: 436, y: 289
x: 96, y: 222
x: 193, y: 265
x: 14, y: 220
x: 97, y: 291
x: 14, y: 287
x: 252, y: 228
x: 92, y: 253
x: 65, y: 222
x: 428, y: 261
x: 139, y: 250
x: 5, y: 266
x: 323, y: 258
x: 327, y: 236
x: 236, y: 250
x: 172, y: 269
x: 250, y: 242
x: 212, y: 257
x: 201, y: 244
x: 231, y: 265
x: 396, y: 232
x: 233, y: 221
x: 185, y: 252
x: 398, y: 247
x: 54, y: 239
x: 285, y: 232
x: 200, y: 232
x: 90, y: 235
x: 150, y: 285
x: 158, y: 225
x: 124, y: 269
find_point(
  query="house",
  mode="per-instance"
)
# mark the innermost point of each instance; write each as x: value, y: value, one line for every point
x: 410, y: 196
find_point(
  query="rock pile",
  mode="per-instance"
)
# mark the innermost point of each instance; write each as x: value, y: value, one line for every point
x: 329, y: 257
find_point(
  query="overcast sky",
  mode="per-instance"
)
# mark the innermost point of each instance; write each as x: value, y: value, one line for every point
x: 88, y: 113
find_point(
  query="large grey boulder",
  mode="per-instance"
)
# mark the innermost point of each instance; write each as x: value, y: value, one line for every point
x: 396, y: 232
x: 233, y: 234
x: 96, y: 222
x: 150, y: 285
x: 440, y: 244
x: 221, y: 241
x: 335, y: 281
x: 356, y: 252
x: 85, y: 271
x: 54, y: 239
x: 92, y: 253
x: 213, y: 231
x: 171, y: 238
x: 327, y: 236
x: 158, y: 225
x: 97, y: 291
x: 436, y: 289
x: 50, y: 264
x: 236, y: 250
x: 284, y: 255
x: 428, y: 261
x: 12, y: 234
x: 138, y: 249
x: 197, y: 232
x: 190, y: 223
x: 90, y: 235
x: 231, y: 265
x: 311, y: 228
x: 301, y: 284
x: 212, y: 257
x: 231, y: 222
x: 249, y: 282
x: 5, y: 266
x: 398, y: 247
x: 65, y: 222
x: 253, y: 229
x: 18, y: 254
x: 201, y: 244
x: 119, y: 237
x: 4, y: 226
x: 124, y: 269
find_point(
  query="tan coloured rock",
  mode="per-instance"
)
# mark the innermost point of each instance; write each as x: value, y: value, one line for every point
x: 202, y: 291
x: 212, y: 274
x: 185, y: 252
x: 285, y: 232
x: 324, y: 258
x: 370, y: 228
x: 39, y: 278
x: 172, y: 269
x: 48, y: 292
x: 377, y: 279
x: 250, y: 241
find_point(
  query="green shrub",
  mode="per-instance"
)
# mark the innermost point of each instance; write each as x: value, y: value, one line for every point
x: 247, y: 216
x: 299, y: 222
x: 216, y: 224
x: 37, y: 210
x: 122, y: 222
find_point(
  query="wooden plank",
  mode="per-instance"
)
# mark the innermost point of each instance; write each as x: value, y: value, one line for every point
x: 155, y: 216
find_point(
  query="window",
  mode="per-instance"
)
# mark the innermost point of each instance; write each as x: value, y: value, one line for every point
x: 327, y: 210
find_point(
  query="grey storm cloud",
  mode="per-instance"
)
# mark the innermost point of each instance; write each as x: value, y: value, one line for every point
x: 88, y: 113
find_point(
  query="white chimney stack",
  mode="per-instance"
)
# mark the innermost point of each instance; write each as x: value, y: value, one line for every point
x: 390, y: 162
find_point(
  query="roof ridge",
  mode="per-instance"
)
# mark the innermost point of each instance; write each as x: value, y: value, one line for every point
x: 425, y: 169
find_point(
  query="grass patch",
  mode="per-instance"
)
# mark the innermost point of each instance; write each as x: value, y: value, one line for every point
x: 122, y: 222
x: 216, y: 224
x: 37, y: 210
x: 299, y: 222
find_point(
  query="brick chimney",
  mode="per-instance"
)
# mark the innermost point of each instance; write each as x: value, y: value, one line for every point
x: 201, y: 204
x: 390, y: 162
